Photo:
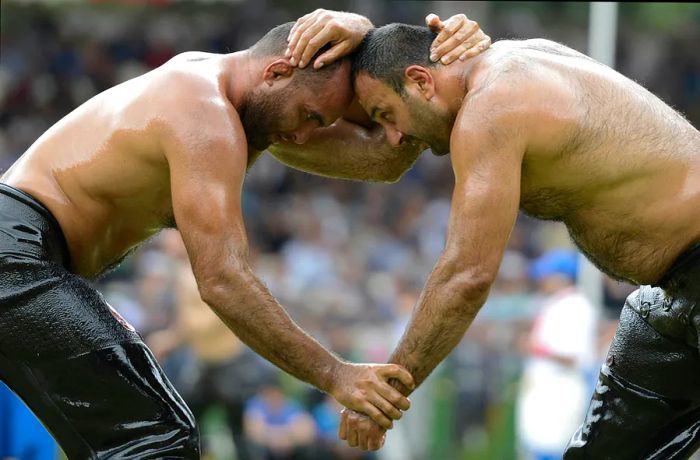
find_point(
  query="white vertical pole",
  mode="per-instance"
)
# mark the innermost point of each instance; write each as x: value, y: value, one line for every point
x: 602, y: 40
x: 602, y: 32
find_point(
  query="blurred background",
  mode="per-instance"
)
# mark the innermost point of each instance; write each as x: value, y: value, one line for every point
x: 348, y: 260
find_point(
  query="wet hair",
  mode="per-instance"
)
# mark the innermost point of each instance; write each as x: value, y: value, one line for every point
x: 274, y: 43
x: 385, y: 53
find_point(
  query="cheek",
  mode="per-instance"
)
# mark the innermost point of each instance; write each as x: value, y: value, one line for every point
x: 287, y: 120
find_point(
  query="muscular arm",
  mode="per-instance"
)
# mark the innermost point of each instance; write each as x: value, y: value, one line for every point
x: 486, y: 150
x: 486, y: 157
x: 351, y: 148
x: 207, y: 166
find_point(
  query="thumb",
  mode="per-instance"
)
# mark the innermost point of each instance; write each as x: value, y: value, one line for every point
x: 434, y: 23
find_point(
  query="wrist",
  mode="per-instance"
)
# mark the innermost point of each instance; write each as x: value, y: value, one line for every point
x: 330, y: 376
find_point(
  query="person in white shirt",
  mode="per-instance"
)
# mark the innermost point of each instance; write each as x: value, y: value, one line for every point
x: 555, y: 386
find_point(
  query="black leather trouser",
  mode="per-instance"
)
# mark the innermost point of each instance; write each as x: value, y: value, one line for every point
x: 646, y: 404
x: 71, y: 358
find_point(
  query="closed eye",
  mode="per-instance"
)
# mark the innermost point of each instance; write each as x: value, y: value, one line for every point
x: 316, y: 117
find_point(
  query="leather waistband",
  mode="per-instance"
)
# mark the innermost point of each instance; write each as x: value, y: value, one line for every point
x: 33, y: 226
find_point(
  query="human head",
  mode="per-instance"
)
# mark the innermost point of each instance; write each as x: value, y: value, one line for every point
x: 394, y: 80
x: 288, y: 103
x: 555, y: 270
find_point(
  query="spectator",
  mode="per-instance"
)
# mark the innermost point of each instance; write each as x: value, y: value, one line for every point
x: 555, y: 384
x: 278, y: 427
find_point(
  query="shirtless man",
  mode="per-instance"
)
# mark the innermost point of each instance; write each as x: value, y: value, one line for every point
x: 534, y: 125
x: 169, y: 148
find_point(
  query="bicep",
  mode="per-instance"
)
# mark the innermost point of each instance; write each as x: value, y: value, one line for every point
x: 486, y: 198
x: 207, y: 168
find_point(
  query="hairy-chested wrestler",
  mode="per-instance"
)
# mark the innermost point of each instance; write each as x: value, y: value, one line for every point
x: 534, y: 125
x: 170, y: 148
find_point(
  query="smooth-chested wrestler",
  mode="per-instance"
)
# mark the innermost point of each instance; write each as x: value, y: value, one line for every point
x: 534, y: 125
x: 169, y: 148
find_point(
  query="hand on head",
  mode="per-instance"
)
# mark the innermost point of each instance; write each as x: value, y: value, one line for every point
x: 458, y: 37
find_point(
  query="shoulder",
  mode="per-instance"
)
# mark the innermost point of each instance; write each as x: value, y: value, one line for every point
x: 517, y: 87
x: 194, y: 107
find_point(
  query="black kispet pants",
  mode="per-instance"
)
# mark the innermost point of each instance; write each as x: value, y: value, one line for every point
x: 646, y: 404
x: 72, y: 359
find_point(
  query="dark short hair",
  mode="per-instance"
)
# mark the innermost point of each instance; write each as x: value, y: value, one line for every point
x: 386, y: 52
x: 274, y: 43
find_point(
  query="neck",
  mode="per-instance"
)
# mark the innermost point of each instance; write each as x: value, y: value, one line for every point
x: 242, y: 74
x: 456, y: 80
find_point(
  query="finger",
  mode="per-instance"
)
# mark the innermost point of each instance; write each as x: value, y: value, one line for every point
x: 323, y: 36
x: 451, y: 56
x: 474, y: 50
x: 433, y: 22
x: 362, y: 436
x: 352, y: 431
x: 302, y: 24
x: 386, y: 407
x: 398, y: 373
x: 473, y: 45
x: 302, y: 44
x: 393, y: 395
x: 296, y: 25
x: 459, y: 38
x: 375, y: 439
x: 329, y: 57
x: 343, y: 426
x: 300, y: 30
x: 377, y: 415
x: 452, y: 25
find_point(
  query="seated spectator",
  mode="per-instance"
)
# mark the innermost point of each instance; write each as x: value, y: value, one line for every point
x: 277, y: 427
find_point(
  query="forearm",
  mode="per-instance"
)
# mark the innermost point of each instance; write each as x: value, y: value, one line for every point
x: 444, y: 312
x: 252, y: 313
x: 349, y: 151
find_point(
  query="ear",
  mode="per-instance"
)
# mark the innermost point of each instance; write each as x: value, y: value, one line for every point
x: 421, y: 78
x: 276, y: 70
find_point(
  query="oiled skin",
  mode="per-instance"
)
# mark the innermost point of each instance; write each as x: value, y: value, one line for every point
x: 168, y: 149
x: 535, y: 126
x: 549, y: 131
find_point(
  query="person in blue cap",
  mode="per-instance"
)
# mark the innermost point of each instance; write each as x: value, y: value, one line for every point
x: 561, y: 354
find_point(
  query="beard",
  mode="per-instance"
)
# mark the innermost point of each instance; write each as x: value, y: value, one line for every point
x: 257, y: 114
x: 435, y: 128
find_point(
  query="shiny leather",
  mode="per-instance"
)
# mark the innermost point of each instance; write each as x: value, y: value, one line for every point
x: 646, y: 403
x: 84, y: 372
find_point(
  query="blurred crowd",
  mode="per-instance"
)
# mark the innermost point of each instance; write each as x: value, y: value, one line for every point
x: 348, y: 260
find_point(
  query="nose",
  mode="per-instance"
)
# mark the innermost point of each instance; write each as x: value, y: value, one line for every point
x: 302, y: 134
x: 394, y: 136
